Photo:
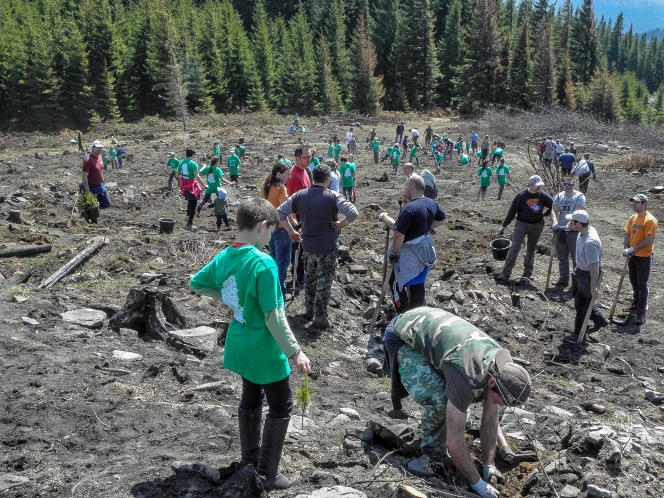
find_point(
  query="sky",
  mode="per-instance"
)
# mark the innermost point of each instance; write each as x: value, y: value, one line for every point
x: 643, y: 14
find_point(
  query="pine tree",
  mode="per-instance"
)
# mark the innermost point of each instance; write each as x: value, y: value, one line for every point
x: 328, y: 98
x: 366, y: 89
x: 476, y: 76
x: 13, y: 62
x: 520, y: 68
x: 544, y: 67
x: 613, y: 52
x: 600, y: 98
x: 382, y: 33
x: 584, y: 46
x: 450, y: 52
x: 212, y: 63
x: 264, y: 53
x: 335, y: 32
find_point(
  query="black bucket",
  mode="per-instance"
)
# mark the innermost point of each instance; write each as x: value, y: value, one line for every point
x: 500, y: 248
x: 166, y: 225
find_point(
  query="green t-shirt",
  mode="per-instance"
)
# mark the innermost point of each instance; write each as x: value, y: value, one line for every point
x: 502, y: 171
x: 113, y: 153
x: 464, y: 159
x: 389, y: 151
x: 173, y: 163
x: 217, y: 150
x: 498, y: 152
x: 347, y: 172
x: 468, y: 145
x: 485, y: 176
x: 296, y: 120
x: 337, y: 150
x: 434, y: 143
x: 248, y: 281
x: 438, y: 157
x: 104, y: 158
x: 213, y: 178
x: 458, y: 146
x: 234, y: 165
x: 396, y: 155
x: 375, y: 145
x: 188, y: 168
x: 413, y: 152
x: 286, y: 161
x: 240, y: 149
x: 315, y: 161
x: 330, y: 151
x: 220, y: 206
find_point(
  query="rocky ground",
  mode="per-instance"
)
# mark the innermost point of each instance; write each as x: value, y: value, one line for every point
x: 95, y: 408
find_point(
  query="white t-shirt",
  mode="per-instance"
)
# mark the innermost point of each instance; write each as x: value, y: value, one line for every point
x: 415, y: 133
x: 588, y: 249
x: 335, y: 177
x: 568, y: 204
x: 559, y: 148
x: 349, y: 135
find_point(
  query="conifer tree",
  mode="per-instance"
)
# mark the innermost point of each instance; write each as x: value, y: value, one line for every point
x: 382, y: 33
x: 613, y: 52
x: 366, y: 89
x: 264, y: 53
x: 328, y: 98
x: 335, y: 32
x: 584, y: 47
x: 520, y: 69
x: 544, y: 66
x: 600, y: 98
x: 450, y: 52
x: 13, y: 61
x: 212, y: 63
x: 476, y: 77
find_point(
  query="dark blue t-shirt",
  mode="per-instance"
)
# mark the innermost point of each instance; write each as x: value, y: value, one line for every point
x: 566, y: 160
x: 417, y: 216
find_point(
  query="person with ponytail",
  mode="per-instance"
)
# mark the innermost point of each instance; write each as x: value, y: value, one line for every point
x: 274, y: 190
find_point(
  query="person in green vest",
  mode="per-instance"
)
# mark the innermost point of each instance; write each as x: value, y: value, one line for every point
x: 388, y: 153
x: 438, y: 157
x: 347, y: 171
x: 214, y: 176
x: 428, y: 133
x: 330, y: 150
x: 396, y: 155
x: 259, y: 341
x: 414, y: 156
x: 104, y: 158
x: 337, y: 151
x: 375, y: 145
x: 233, y: 166
x: 240, y: 151
x: 216, y: 149
x: 485, y: 179
x: 173, y: 163
x: 446, y: 364
x: 113, y: 156
x: 502, y: 174
x: 458, y: 146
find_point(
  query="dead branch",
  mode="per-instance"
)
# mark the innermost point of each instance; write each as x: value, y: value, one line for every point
x: 95, y: 246
x: 24, y: 251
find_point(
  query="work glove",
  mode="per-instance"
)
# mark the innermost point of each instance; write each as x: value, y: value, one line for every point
x: 381, y: 215
x: 501, y: 230
x: 484, y: 489
x: 556, y: 228
x: 489, y: 471
x: 627, y: 252
x: 393, y: 257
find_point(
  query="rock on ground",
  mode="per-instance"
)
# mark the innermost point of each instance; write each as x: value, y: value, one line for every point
x: 201, y: 340
x: 85, y: 317
x: 335, y: 492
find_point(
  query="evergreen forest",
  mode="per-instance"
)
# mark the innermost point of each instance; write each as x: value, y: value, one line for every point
x: 73, y: 63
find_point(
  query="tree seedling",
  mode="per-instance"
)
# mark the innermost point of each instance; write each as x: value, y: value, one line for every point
x: 87, y: 201
x: 303, y: 395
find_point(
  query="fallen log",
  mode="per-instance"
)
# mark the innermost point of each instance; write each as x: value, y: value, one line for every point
x: 24, y: 250
x: 95, y: 246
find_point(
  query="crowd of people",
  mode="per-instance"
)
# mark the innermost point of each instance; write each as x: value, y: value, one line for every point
x: 444, y: 362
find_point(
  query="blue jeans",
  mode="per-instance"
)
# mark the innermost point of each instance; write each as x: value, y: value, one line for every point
x: 101, y: 193
x: 348, y: 193
x: 280, y: 249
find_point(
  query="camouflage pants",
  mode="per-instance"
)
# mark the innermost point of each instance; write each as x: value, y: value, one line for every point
x: 427, y: 387
x: 318, y: 275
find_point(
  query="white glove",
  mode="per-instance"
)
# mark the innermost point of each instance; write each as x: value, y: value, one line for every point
x: 628, y: 251
x: 484, y: 489
x: 381, y: 215
x: 489, y: 471
x: 501, y: 230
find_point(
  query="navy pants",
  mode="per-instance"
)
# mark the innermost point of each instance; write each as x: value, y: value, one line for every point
x: 582, y: 297
x: 639, y: 275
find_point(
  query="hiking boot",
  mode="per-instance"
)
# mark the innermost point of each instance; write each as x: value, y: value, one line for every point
x: 640, y: 319
x: 601, y: 322
x: 250, y: 422
x: 321, y: 323
x: 274, y: 433
x: 502, y: 278
x: 632, y: 308
x: 562, y: 283
x: 191, y: 228
x: 198, y: 211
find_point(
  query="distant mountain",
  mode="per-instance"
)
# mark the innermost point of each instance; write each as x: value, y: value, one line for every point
x: 645, y: 15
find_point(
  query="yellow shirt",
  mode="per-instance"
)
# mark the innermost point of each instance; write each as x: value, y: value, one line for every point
x: 638, y: 228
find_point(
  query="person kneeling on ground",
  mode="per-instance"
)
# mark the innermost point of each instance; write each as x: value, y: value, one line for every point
x: 445, y: 363
x: 259, y: 341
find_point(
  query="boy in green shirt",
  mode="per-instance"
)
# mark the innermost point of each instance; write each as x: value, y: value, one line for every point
x: 240, y: 151
x: 216, y: 149
x: 337, y: 151
x: 414, y: 157
x: 464, y: 159
x: 214, y: 176
x: 347, y: 172
x: 234, y: 166
x: 459, y: 146
x: 375, y: 145
x: 485, y: 179
x: 113, y: 155
x: 330, y: 150
x: 173, y: 163
x: 396, y: 155
x: 220, y: 205
x: 438, y: 157
x: 502, y: 174
x: 259, y: 341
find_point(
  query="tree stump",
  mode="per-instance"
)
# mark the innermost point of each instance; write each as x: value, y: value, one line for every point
x: 150, y: 312
x: 15, y: 216
x: 243, y: 484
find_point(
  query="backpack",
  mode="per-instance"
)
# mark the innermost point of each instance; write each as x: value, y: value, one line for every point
x: 429, y: 179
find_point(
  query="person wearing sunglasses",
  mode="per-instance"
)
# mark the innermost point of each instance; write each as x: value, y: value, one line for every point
x: 446, y: 363
x: 564, y: 203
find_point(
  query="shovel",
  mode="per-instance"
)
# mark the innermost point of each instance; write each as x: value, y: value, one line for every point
x: 553, y: 249
x: 615, y: 300
x: 385, y: 280
x: 582, y: 332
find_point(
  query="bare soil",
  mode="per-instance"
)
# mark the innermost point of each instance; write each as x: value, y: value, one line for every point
x: 77, y: 422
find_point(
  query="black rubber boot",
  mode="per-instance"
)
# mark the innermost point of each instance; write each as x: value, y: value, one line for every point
x: 274, y: 434
x: 250, y: 434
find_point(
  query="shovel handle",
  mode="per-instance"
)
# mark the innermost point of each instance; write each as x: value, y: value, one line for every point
x: 582, y: 332
x: 615, y: 299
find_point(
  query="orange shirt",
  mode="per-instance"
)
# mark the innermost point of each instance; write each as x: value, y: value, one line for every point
x: 638, y: 228
x: 276, y: 196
